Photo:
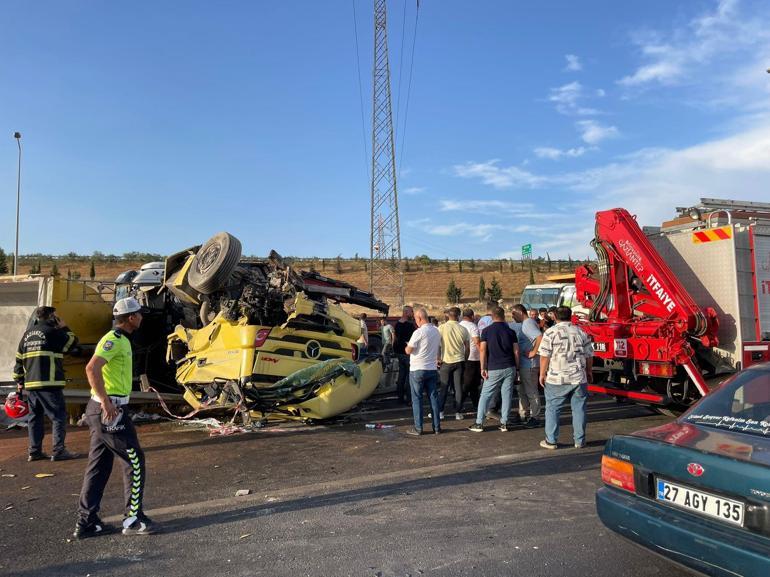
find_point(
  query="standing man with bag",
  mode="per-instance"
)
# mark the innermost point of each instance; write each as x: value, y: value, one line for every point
x: 110, y: 374
x: 566, y: 357
x: 39, y: 370
x: 529, y: 336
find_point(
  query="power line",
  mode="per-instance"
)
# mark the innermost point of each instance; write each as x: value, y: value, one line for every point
x: 360, y: 93
x: 409, y: 89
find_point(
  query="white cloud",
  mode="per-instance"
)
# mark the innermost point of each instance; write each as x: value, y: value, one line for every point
x: 649, y: 183
x: 573, y: 63
x: 568, y: 98
x: 491, y: 174
x: 478, y: 231
x: 593, y: 133
x: 413, y: 190
x: 705, y: 50
x: 558, y: 153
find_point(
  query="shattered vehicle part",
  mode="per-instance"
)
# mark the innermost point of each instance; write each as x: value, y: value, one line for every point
x: 261, y: 338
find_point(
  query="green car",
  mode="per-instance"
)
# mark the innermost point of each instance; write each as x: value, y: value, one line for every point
x: 697, y: 490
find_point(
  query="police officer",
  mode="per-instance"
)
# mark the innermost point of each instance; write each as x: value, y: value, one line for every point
x: 566, y: 357
x: 112, y: 432
x: 39, y: 369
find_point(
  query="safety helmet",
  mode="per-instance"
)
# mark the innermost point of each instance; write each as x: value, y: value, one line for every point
x: 16, y: 407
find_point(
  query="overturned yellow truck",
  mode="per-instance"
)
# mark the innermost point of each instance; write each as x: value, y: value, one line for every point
x: 259, y: 337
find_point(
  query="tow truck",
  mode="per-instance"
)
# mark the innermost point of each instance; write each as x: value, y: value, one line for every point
x: 673, y: 310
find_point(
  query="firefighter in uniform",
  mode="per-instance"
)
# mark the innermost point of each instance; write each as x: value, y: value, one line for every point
x: 39, y: 369
x: 110, y: 374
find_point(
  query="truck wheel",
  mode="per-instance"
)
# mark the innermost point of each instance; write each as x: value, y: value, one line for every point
x: 214, y: 263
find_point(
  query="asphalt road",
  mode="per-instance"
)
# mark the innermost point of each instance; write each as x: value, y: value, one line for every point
x: 333, y: 500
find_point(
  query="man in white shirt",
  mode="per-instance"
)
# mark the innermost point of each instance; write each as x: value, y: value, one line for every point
x: 363, y: 340
x: 472, y: 373
x: 423, y: 350
x: 387, y: 336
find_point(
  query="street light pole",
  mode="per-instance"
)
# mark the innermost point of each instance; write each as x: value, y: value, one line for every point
x: 17, y: 136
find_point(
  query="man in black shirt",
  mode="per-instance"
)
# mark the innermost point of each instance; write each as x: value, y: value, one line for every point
x: 499, y: 357
x: 403, y: 332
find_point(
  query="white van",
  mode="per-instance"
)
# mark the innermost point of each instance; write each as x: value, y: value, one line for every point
x: 549, y: 295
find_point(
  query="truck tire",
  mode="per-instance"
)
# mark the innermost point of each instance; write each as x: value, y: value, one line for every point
x: 214, y: 263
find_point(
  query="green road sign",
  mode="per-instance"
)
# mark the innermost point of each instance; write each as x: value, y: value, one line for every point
x: 526, y: 250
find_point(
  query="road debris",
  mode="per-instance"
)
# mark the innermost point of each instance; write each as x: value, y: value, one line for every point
x: 43, y: 475
x: 245, y: 535
x: 242, y: 492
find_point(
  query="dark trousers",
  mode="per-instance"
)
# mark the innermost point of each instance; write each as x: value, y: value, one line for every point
x: 107, y: 443
x: 472, y: 381
x: 451, y: 374
x: 402, y: 392
x: 42, y: 402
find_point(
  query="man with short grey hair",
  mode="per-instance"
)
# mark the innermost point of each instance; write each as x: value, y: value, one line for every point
x: 423, y: 351
x: 528, y: 335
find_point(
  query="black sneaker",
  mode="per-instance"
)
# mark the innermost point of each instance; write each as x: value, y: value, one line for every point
x: 503, y: 428
x: 414, y: 432
x: 64, y: 455
x: 93, y: 529
x: 476, y: 428
x: 37, y: 456
x: 140, y: 526
x: 532, y: 423
x: 436, y: 431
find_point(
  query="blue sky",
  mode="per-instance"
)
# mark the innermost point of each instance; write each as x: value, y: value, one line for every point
x: 150, y: 126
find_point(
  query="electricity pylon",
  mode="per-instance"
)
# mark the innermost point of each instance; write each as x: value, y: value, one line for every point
x: 386, y: 277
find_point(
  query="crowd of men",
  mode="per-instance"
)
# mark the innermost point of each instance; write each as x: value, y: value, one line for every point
x: 494, y: 364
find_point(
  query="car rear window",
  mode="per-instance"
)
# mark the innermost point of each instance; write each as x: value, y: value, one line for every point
x: 741, y: 404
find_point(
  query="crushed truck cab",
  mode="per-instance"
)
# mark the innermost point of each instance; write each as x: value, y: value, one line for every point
x: 265, y: 339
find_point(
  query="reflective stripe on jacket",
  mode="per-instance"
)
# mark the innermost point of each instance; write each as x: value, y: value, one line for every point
x: 40, y: 356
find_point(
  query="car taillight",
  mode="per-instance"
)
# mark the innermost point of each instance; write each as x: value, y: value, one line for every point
x: 354, y: 351
x: 656, y: 369
x: 618, y: 473
x: 261, y: 337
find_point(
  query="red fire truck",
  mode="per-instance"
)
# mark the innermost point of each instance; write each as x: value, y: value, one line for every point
x: 674, y: 309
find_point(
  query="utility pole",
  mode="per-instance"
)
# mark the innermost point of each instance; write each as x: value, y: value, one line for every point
x: 17, y: 136
x: 386, y: 277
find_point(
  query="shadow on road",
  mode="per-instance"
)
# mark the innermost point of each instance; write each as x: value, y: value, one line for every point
x: 585, y: 460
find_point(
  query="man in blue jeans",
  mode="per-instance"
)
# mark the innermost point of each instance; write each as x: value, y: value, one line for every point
x: 499, y: 353
x: 423, y: 351
x: 566, y: 357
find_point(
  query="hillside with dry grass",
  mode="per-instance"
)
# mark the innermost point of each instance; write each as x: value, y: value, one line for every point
x: 426, y: 281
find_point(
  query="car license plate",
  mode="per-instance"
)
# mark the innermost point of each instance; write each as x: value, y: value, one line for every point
x: 697, y: 501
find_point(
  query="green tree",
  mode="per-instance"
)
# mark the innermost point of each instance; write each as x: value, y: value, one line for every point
x: 406, y: 265
x: 338, y: 268
x: 75, y: 275
x: 54, y: 270
x: 460, y: 265
x: 500, y: 262
x: 3, y: 262
x: 548, y: 257
x: 446, y: 264
x: 472, y: 265
x: 453, y: 292
x: 482, y: 289
x: 531, y: 273
x: 495, y: 290
x: 425, y: 262
x: 92, y: 271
